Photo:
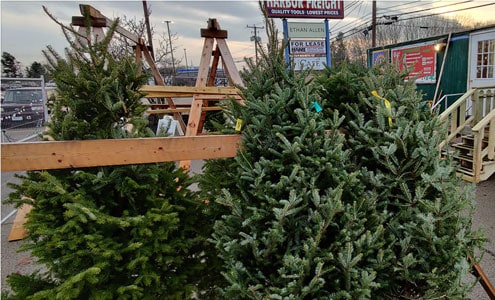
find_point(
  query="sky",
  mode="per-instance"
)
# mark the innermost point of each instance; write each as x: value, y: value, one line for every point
x: 26, y: 29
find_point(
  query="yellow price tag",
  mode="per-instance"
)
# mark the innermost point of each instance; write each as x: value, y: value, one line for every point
x: 238, y: 125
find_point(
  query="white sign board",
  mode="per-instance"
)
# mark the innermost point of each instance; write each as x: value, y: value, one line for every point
x: 307, y: 47
x: 316, y: 63
x: 306, y: 30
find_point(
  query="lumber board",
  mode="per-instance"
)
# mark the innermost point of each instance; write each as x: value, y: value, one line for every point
x: 94, y: 13
x: 229, y: 63
x: 152, y: 91
x: 18, y: 232
x: 91, y: 153
x: 182, y: 110
x: 484, y: 281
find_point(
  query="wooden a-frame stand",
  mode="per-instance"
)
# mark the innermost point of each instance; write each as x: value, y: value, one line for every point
x: 206, y: 73
x: 206, y: 76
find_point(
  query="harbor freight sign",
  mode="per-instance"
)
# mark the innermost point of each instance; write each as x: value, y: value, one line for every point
x: 306, y: 30
x: 307, y: 47
x: 321, y: 9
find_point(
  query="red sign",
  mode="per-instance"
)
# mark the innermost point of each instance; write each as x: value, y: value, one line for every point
x: 422, y: 60
x: 321, y: 9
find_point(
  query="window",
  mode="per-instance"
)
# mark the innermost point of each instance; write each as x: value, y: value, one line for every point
x: 485, y: 59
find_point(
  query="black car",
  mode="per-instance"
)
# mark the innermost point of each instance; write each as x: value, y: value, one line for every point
x: 23, y: 107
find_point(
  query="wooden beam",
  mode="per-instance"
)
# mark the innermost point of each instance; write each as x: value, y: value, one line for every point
x: 94, y: 22
x: 213, y: 30
x: 182, y: 110
x: 484, y: 281
x: 91, y: 153
x: 94, y: 13
x: 229, y: 62
x: 166, y: 91
x: 18, y: 232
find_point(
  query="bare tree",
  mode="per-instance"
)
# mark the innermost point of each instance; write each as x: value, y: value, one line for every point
x: 122, y: 46
x: 397, y: 31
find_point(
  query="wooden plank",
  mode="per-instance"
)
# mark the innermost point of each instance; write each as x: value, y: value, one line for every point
x: 214, y: 67
x: 91, y: 153
x: 138, y: 57
x: 18, y: 232
x: 185, y: 109
x: 168, y: 110
x: 210, y: 82
x: 204, y: 65
x: 218, y: 97
x: 484, y: 281
x: 213, y: 30
x: 201, y: 80
x: 229, y: 62
x: 164, y: 91
x: 491, y: 140
x: 94, y: 22
x: 93, y: 12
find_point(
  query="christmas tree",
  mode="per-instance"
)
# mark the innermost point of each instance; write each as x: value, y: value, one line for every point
x: 123, y: 232
x: 339, y: 192
x: 392, y: 137
x: 299, y: 224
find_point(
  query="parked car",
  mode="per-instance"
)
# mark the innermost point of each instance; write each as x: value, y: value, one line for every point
x: 23, y: 107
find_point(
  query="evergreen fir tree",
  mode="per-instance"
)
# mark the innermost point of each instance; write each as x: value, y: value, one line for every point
x: 299, y: 226
x: 429, y: 209
x: 341, y: 208
x: 123, y: 232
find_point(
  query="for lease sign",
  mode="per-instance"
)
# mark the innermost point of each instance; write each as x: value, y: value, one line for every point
x: 307, y: 47
x: 322, y: 9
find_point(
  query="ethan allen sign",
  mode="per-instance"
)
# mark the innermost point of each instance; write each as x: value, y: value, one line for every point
x: 306, y: 30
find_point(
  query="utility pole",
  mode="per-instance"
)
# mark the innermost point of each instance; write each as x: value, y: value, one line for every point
x: 148, y: 28
x: 255, y: 38
x: 185, y: 56
x: 171, y: 51
x: 373, y: 25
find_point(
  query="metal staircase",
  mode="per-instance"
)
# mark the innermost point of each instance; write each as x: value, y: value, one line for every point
x: 471, y: 138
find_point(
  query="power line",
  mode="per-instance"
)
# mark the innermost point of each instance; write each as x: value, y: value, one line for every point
x: 396, y: 15
x: 413, y: 3
x: 448, y: 12
x: 431, y: 8
x: 356, y: 29
x: 349, y: 13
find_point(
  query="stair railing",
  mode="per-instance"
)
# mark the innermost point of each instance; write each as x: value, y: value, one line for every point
x: 479, y: 153
x: 444, y: 101
x: 484, y: 119
x: 456, y: 117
